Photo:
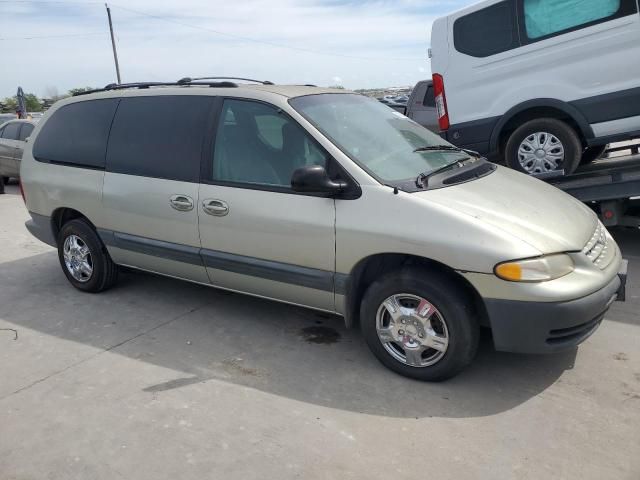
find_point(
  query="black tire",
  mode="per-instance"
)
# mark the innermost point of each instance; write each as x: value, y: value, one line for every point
x: 2, y: 186
x: 105, y: 272
x: 447, y: 297
x: 563, y: 132
x: 5, y: 180
x: 591, y: 154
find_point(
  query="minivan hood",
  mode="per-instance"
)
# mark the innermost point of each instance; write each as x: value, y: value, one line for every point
x: 537, y: 213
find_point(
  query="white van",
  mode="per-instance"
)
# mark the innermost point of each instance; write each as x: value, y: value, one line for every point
x: 543, y: 84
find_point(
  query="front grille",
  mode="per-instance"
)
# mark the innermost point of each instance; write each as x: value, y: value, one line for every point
x: 598, y: 249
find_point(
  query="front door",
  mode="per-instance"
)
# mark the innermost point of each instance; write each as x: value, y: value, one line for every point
x: 257, y: 235
x: 150, y: 192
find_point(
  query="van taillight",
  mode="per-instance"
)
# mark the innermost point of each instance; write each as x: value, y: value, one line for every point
x: 21, y: 190
x: 441, y: 101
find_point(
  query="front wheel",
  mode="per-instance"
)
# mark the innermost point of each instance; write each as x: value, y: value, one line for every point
x: 418, y: 324
x: 542, y: 146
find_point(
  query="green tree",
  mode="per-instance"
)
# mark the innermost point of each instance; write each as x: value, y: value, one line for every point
x: 9, y: 104
x: 33, y: 103
x: 74, y: 91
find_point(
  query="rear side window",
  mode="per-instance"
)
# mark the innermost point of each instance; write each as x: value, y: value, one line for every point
x: 488, y: 31
x: 546, y: 18
x: 76, y: 134
x: 429, y: 98
x: 10, y: 132
x: 160, y: 137
x: 26, y: 131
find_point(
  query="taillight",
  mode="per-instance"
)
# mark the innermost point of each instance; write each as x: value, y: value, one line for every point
x: 441, y: 101
x: 21, y: 190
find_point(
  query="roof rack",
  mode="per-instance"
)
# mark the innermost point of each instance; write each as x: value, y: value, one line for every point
x: 183, y: 82
x: 187, y: 80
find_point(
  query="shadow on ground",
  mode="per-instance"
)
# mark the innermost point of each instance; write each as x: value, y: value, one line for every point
x: 203, y: 334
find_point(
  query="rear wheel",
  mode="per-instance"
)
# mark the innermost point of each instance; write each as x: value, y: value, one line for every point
x: 544, y: 145
x: 418, y: 324
x: 84, y: 259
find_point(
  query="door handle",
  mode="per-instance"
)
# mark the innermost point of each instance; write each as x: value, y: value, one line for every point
x: 217, y: 208
x: 182, y: 203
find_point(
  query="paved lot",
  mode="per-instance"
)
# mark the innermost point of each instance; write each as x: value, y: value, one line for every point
x: 161, y: 379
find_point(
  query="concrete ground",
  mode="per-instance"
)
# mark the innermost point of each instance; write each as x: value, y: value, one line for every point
x: 162, y: 379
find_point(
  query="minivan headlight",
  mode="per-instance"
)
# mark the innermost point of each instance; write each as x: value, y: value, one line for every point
x: 539, y: 269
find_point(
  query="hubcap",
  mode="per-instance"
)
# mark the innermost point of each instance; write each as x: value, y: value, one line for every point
x: 541, y: 152
x: 77, y: 258
x: 412, y: 330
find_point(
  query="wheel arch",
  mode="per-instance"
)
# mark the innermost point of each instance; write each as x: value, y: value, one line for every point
x: 539, y: 108
x: 364, y: 273
x: 62, y: 215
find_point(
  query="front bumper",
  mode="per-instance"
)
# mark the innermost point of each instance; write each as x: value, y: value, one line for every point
x: 537, y: 327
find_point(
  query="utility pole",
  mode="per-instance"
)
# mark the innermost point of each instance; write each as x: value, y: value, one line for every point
x: 113, y: 43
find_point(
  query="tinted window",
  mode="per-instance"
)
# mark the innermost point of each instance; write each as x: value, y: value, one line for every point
x: 26, y: 131
x: 545, y: 18
x: 10, y: 132
x: 429, y: 98
x: 159, y: 136
x: 77, y: 133
x: 488, y: 31
x: 261, y: 145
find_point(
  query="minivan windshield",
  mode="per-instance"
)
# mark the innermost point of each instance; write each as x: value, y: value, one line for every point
x: 384, y: 142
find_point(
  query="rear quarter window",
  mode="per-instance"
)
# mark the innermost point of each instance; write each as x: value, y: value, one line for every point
x: 488, y: 31
x: 160, y: 137
x: 76, y: 134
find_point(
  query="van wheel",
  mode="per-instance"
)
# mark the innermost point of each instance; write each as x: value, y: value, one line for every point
x: 591, y: 154
x: 418, y: 324
x: 84, y: 259
x: 542, y: 146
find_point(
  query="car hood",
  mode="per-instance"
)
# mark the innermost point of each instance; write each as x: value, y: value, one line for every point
x: 537, y: 213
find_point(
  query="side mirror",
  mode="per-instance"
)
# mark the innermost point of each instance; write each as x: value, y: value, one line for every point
x: 314, y: 179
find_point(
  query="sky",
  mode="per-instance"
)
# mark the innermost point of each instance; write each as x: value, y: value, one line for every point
x: 48, y: 47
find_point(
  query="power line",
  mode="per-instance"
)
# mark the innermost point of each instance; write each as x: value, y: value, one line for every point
x: 35, y: 37
x: 205, y: 29
x: 255, y: 40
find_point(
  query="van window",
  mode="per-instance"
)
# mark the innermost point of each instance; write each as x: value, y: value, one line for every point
x: 27, y: 128
x: 160, y: 136
x: 76, y: 134
x: 548, y: 17
x: 262, y: 146
x: 10, y: 132
x: 488, y: 31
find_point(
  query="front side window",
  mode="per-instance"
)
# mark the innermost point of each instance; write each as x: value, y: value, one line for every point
x: 548, y: 17
x: 10, y: 132
x: 379, y: 139
x: 261, y: 145
x: 487, y: 32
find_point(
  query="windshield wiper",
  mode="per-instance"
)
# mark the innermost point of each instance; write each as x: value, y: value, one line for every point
x: 447, y: 148
x: 438, y: 148
x: 423, y: 178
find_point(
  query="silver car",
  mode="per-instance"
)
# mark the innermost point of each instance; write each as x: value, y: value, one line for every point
x: 321, y: 198
x: 13, y: 137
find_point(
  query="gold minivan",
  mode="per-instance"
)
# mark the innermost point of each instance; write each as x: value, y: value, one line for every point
x: 325, y: 199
